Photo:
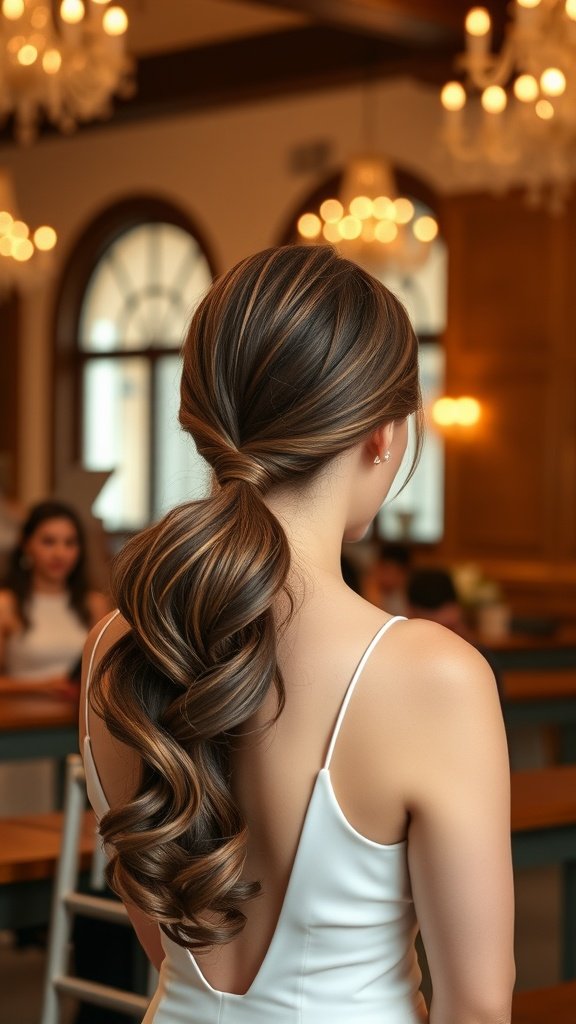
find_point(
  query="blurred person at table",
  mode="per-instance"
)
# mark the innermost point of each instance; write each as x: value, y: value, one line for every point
x: 46, y: 612
x: 46, y: 606
x: 385, y: 583
x: 432, y: 595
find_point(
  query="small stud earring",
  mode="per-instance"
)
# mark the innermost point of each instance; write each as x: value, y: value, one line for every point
x: 387, y: 456
x: 377, y: 460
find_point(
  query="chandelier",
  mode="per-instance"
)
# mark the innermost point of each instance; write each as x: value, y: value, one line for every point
x: 61, y: 60
x: 24, y: 258
x: 525, y: 132
x: 369, y: 222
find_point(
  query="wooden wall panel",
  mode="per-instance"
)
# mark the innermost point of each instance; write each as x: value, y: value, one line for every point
x: 9, y: 393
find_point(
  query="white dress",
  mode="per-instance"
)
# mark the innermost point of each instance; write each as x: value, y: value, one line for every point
x: 343, y: 947
x: 50, y: 647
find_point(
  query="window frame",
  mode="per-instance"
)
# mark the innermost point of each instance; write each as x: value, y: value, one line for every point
x: 69, y: 358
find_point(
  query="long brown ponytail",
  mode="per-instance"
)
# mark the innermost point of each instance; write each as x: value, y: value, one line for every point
x: 292, y: 357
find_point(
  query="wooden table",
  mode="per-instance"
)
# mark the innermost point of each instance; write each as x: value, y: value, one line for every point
x: 544, y: 833
x: 37, y: 726
x: 29, y: 851
x: 543, y: 697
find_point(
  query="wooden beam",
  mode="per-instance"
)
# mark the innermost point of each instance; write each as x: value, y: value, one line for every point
x: 420, y: 22
x: 254, y: 69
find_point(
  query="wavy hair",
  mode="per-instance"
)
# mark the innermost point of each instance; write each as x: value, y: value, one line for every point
x: 19, y: 572
x: 292, y: 357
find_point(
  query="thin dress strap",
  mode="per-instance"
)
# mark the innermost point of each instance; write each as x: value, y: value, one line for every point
x: 90, y: 665
x: 352, y: 685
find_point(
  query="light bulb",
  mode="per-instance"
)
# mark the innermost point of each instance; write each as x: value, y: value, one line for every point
x: 544, y: 109
x: 526, y: 88
x: 444, y: 411
x: 467, y: 411
x: 425, y: 229
x: 350, y: 227
x: 331, y: 232
x: 570, y: 9
x: 331, y: 210
x: 383, y: 208
x: 386, y: 231
x: 309, y: 225
x: 52, y: 62
x: 22, y: 249
x: 72, y: 11
x: 403, y: 210
x: 453, y: 96
x: 19, y: 229
x: 27, y: 54
x: 494, y: 99
x: 13, y: 9
x: 553, y: 82
x: 115, y: 21
x: 45, y: 238
x: 361, y: 207
x: 477, y: 21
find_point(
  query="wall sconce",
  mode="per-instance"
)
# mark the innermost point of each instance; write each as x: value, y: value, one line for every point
x: 456, y: 412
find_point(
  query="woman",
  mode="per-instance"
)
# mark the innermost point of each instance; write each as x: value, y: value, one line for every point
x: 46, y: 608
x: 279, y: 806
x: 46, y: 611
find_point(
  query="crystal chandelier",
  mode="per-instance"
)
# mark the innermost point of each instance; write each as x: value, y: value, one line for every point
x: 61, y: 60
x: 24, y: 258
x: 525, y: 132
x: 369, y: 222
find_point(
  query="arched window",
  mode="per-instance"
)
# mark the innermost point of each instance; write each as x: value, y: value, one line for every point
x: 417, y: 513
x: 130, y: 317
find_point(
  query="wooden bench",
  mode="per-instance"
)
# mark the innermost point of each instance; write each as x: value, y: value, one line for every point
x: 546, y: 1005
x: 29, y: 850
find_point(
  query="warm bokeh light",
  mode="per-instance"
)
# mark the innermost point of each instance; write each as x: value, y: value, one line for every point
x: 570, y: 9
x: 45, y: 238
x: 330, y: 232
x: 309, y: 225
x: 553, y: 82
x: 331, y: 210
x: 383, y: 208
x: 27, y: 54
x: 115, y: 21
x: 403, y: 210
x: 13, y: 9
x: 350, y: 228
x: 544, y: 109
x: 19, y: 229
x: 494, y: 99
x: 444, y: 411
x: 52, y: 62
x: 6, y: 220
x: 386, y: 231
x: 425, y: 229
x: 6, y: 245
x: 478, y: 21
x: 453, y: 96
x: 361, y: 207
x: 462, y: 412
x: 72, y: 11
x: 22, y: 250
x: 529, y: 4
x: 526, y: 88
x: 468, y: 411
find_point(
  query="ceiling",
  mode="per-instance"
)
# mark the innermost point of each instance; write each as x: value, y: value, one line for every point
x: 197, y: 54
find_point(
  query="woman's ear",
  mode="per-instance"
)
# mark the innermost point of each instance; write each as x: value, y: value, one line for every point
x: 380, y: 442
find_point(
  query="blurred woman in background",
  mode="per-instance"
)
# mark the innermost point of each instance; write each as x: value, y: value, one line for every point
x: 46, y: 612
